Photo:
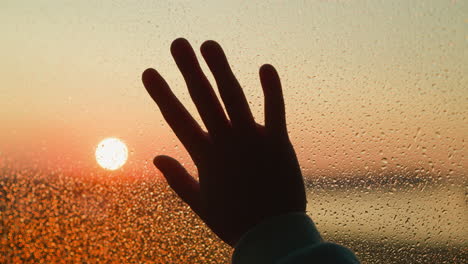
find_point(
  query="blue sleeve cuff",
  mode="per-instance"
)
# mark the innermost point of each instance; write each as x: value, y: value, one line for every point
x: 323, y: 253
x: 276, y: 238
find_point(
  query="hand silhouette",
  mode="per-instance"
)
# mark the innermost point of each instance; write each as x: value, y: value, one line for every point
x: 247, y: 172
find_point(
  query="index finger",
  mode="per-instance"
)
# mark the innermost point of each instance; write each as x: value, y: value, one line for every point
x: 176, y: 115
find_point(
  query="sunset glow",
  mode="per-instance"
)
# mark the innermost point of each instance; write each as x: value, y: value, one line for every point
x: 111, y: 153
x: 375, y: 105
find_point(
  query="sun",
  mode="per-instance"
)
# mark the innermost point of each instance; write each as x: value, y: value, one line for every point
x: 111, y: 153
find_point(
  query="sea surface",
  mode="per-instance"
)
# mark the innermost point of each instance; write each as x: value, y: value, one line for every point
x: 55, y: 217
x: 401, y: 225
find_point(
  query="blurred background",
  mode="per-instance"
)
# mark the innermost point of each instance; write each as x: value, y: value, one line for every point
x: 376, y: 102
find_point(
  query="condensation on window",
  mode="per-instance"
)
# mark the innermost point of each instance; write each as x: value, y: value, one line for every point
x: 375, y: 96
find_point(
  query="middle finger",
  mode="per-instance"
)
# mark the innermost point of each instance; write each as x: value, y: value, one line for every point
x: 199, y: 88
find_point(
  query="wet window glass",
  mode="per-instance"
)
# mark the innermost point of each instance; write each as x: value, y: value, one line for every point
x: 376, y: 102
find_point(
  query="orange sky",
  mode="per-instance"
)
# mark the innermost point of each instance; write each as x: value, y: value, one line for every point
x: 367, y: 84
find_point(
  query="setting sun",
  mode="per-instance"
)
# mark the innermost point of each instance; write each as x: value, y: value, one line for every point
x: 111, y: 153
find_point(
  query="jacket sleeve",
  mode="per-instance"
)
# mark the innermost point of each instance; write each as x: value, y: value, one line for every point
x: 289, y: 239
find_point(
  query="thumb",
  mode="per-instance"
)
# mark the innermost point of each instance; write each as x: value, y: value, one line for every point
x: 180, y: 181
